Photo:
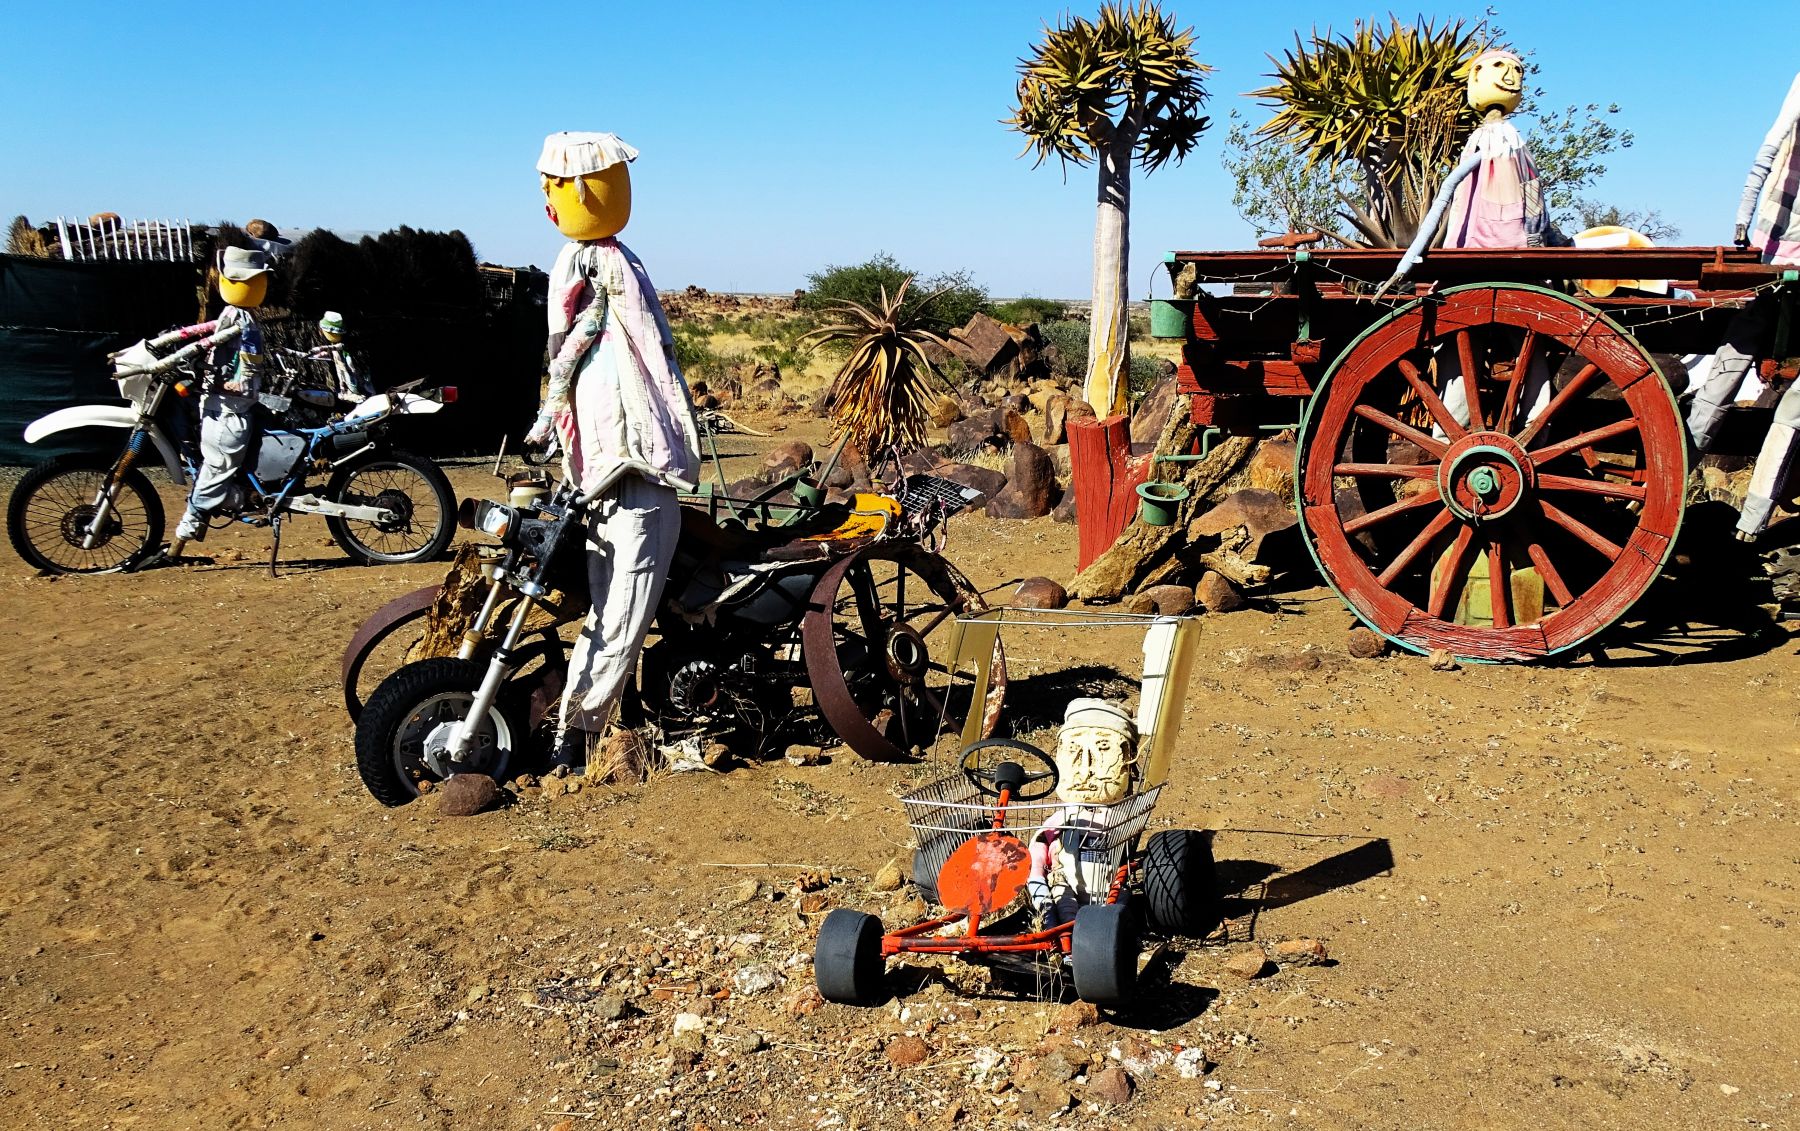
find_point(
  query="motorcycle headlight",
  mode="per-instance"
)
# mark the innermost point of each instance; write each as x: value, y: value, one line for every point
x: 494, y: 519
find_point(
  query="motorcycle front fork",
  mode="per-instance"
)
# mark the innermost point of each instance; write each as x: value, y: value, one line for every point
x: 499, y: 667
x: 109, y: 491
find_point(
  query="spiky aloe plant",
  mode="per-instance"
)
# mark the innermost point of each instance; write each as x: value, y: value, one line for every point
x: 1126, y: 86
x: 1385, y: 101
x: 883, y: 392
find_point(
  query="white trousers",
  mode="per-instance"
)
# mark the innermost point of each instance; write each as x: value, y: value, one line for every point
x: 631, y: 541
x: 225, y: 431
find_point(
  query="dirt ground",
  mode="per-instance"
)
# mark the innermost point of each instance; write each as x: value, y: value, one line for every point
x: 1553, y: 897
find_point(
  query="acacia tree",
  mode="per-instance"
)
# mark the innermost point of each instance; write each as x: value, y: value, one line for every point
x: 1120, y: 88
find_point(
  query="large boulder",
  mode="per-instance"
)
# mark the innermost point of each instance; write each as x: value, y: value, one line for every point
x: 982, y: 343
x: 945, y: 411
x: 786, y: 458
x: 1039, y: 593
x: 1152, y: 413
x: 1056, y: 415
x: 1031, y: 489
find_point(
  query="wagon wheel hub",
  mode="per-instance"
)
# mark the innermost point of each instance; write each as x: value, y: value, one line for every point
x: 1484, y: 475
x: 908, y: 656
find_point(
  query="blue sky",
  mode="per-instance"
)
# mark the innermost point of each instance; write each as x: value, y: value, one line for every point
x: 776, y: 137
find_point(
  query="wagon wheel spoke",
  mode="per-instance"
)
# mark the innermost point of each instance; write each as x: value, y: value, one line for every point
x: 1586, y: 440
x: 1601, y: 487
x: 1465, y: 354
x: 1499, y: 584
x: 1452, y: 569
x: 1434, y: 404
x: 1429, y: 444
x: 1516, y: 383
x: 1568, y: 393
x: 1553, y: 579
x: 1435, y: 527
x: 1387, y: 470
x: 1581, y: 530
x: 1410, y: 503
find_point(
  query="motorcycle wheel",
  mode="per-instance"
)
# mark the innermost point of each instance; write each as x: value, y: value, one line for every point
x: 412, y: 703
x: 411, y: 486
x: 50, y: 507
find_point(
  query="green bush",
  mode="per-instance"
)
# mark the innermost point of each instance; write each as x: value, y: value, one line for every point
x: 1070, y: 337
x: 862, y: 284
x: 1025, y: 311
x: 1142, y: 376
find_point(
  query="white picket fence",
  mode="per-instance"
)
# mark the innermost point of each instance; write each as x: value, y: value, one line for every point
x: 170, y: 240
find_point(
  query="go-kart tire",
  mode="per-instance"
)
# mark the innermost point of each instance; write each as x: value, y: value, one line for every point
x: 396, y: 708
x: 1104, y: 953
x: 847, y: 962
x: 1181, y: 890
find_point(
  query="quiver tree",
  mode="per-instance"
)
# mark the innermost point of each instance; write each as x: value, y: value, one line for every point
x: 1385, y: 102
x: 1126, y: 87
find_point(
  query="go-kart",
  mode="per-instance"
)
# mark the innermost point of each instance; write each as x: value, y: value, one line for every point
x: 976, y: 830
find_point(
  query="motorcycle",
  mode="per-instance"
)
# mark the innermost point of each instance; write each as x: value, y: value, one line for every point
x: 799, y: 620
x: 97, y: 514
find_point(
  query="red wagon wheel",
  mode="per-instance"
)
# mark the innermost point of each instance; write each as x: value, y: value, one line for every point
x: 1569, y: 494
x: 873, y: 639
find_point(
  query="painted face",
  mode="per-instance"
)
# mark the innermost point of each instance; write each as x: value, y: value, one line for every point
x: 1093, y: 764
x: 248, y: 294
x: 598, y: 208
x: 1496, y: 80
x: 330, y: 336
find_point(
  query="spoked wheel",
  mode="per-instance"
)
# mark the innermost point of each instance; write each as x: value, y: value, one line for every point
x: 868, y: 638
x: 403, y: 727
x: 53, y: 508
x: 1496, y: 470
x: 413, y: 490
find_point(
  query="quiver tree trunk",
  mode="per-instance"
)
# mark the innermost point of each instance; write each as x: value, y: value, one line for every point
x: 1109, y: 328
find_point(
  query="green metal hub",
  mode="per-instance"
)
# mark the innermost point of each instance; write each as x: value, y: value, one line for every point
x: 1484, y: 475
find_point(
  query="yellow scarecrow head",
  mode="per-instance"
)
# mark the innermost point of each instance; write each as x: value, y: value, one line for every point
x: 587, y: 185
x: 243, y: 277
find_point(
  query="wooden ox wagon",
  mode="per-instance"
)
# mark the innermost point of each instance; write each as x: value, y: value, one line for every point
x: 1493, y: 464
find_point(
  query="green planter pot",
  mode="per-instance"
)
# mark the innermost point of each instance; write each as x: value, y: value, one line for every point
x: 1158, y: 502
x: 1171, y: 317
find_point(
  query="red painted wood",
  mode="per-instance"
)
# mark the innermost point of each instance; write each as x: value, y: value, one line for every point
x: 1105, y: 478
x: 1593, y: 579
x: 1739, y: 266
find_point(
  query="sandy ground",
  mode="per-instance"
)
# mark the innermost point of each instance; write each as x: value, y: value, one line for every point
x: 1553, y: 897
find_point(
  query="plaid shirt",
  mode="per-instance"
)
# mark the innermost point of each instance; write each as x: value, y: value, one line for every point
x: 1775, y: 181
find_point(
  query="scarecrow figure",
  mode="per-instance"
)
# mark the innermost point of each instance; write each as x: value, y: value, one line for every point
x: 1095, y: 751
x: 353, y: 385
x: 1494, y: 199
x: 614, y: 395
x: 231, y: 379
x: 1766, y: 221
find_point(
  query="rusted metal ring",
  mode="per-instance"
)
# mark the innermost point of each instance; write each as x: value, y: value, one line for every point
x: 385, y: 622
x: 831, y: 691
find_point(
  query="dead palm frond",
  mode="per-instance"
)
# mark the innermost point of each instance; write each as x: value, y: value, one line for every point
x: 882, y: 394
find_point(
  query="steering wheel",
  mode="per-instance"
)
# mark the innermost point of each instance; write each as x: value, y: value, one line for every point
x: 990, y: 766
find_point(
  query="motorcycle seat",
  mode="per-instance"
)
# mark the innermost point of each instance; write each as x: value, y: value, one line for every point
x: 808, y: 539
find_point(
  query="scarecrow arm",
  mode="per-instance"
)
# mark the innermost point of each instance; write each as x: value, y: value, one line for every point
x: 561, y: 383
x: 1428, y: 227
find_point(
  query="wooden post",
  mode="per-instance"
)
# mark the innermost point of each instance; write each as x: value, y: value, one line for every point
x: 1105, y: 480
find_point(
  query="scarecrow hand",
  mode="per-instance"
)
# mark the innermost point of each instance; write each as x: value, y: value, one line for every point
x: 540, y: 432
x: 1397, y: 279
x: 236, y: 388
x: 1741, y: 236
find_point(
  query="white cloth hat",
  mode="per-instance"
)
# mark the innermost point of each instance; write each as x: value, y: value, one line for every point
x: 1099, y: 713
x: 332, y: 323
x: 241, y: 263
x: 568, y: 154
